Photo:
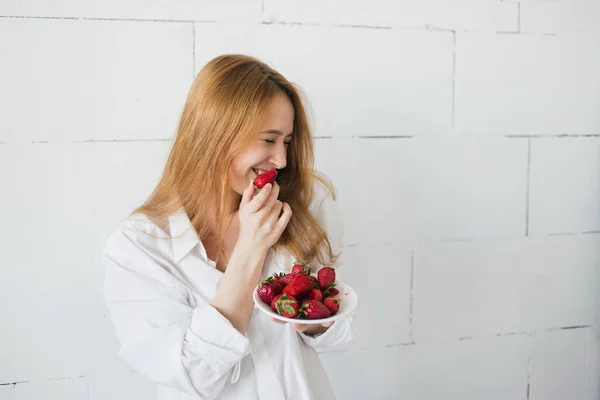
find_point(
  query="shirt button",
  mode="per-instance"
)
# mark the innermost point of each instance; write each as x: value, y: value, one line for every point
x: 257, y: 351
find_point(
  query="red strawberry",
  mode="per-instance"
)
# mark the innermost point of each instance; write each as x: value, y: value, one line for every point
x: 315, y: 294
x: 332, y: 304
x: 331, y: 292
x: 326, y: 276
x: 268, y: 177
x: 268, y: 289
x: 312, y: 309
x: 274, y: 302
x: 314, y: 281
x: 286, y: 279
x: 277, y: 276
x: 287, y: 306
x: 298, y: 268
x: 299, y: 285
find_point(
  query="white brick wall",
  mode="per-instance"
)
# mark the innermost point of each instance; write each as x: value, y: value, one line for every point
x: 463, y: 137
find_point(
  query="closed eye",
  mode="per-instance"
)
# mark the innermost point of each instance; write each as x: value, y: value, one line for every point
x: 272, y: 141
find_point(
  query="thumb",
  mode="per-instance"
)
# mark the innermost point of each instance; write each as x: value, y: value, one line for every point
x: 248, y: 195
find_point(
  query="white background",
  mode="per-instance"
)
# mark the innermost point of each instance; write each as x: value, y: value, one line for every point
x: 462, y: 136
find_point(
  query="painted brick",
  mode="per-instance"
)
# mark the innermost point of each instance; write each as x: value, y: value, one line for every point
x: 186, y: 10
x: 382, y: 316
x: 558, y: 365
x: 54, y: 251
x: 361, y: 82
x: 405, y: 192
x: 124, y: 386
x: 81, y: 80
x: 560, y: 17
x: 70, y: 388
x: 564, y: 185
x: 524, y: 84
x: 592, y: 365
x: 496, y: 287
x: 7, y: 392
x: 493, y: 368
x: 457, y: 15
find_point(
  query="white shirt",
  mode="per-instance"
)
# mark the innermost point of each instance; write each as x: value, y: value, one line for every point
x: 158, y: 286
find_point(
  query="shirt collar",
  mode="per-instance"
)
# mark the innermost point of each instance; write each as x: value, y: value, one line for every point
x: 183, y: 235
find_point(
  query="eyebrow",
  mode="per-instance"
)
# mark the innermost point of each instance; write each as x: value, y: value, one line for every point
x: 277, y: 132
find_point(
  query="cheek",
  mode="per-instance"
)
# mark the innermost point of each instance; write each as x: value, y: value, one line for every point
x: 239, y: 170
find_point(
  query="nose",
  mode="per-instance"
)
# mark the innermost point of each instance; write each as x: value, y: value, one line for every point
x: 279, y: 156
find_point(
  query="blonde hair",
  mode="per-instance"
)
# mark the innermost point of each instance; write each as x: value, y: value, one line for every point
x: 223, y: 113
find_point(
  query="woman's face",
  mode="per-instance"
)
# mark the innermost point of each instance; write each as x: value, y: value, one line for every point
x: 269, y: 149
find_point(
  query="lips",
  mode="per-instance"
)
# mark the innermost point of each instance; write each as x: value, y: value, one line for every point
x: 258, y: 171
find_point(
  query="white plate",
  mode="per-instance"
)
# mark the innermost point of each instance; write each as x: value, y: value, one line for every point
x: 347, y: 297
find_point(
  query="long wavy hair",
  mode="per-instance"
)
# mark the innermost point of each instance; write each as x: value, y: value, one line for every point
x: 223, y: 113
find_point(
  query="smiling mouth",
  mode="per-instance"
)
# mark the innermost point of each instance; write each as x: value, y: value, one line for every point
x: 258, y: 171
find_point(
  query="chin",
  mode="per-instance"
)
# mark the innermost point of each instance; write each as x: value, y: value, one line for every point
x: 239, y: 187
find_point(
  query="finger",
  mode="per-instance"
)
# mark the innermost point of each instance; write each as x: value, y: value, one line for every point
x: 327, y: 325
x: 259, y: 200
x: 278, y: 321
x: 300, y: 327
x: 284, y: 219
x: 247, y: 195
x: 273, y: 196
x: 274, y: 212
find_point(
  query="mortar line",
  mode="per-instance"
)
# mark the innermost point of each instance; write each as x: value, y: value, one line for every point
x: 14, y: 383
x: 364, y: 348
x: 141, y: 20
x: 555, y: 136
x: 527, y: 191
x: 563, y: 328
x: 34, y: 17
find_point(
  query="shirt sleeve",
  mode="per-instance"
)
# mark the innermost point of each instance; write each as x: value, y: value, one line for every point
x: 195, y: 350
x: 326, y: 210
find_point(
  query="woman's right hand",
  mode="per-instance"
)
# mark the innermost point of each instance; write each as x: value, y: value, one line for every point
x: 261, y: 224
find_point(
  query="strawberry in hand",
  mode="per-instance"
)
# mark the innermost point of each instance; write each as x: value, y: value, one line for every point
x: 268, y: 177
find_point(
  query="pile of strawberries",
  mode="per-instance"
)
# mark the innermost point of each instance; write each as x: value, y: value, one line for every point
x: 300, y: 294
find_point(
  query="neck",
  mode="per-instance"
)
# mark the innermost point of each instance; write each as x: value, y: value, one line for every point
x: 230, y: 214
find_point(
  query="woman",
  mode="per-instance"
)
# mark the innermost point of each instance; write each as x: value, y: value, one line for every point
x: 181, y: 271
